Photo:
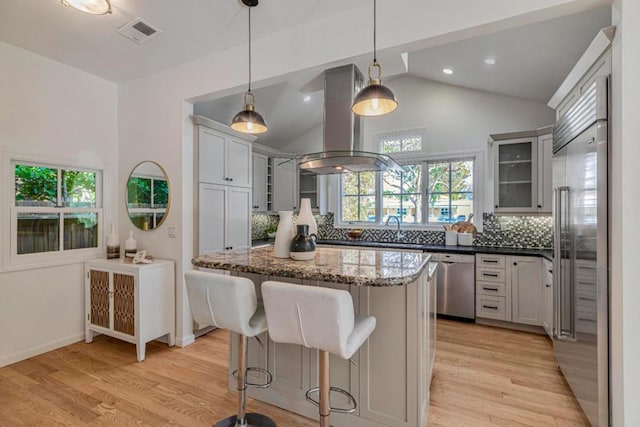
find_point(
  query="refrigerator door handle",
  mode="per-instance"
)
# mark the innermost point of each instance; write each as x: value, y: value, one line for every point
x: 560, y: 270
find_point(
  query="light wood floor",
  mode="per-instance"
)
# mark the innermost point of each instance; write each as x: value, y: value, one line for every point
x: 483, y: 376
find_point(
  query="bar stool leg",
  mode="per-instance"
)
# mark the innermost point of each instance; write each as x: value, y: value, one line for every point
x: 324, y: 388
x: 242, y: 419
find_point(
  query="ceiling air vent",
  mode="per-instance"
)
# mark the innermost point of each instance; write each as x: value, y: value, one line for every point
x: 139, y: 31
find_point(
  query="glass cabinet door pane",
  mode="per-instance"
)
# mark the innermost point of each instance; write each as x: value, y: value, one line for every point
x: 520, y: 151
x: 515, y: 175
x: 515, y: 195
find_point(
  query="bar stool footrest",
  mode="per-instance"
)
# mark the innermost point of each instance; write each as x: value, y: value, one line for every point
x: 266, y: 373
x: 345, y: 393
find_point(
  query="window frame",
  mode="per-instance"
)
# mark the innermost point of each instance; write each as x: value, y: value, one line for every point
x: 422, y: 158
x: 11, y: 260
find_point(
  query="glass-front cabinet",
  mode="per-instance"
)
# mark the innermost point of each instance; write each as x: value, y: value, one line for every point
x: 516, y: 175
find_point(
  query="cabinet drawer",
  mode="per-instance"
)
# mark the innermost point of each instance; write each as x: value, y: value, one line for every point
x: 490, y: 275
x: 491, y: 307
x: 491, y: 261
x: 491, y: 288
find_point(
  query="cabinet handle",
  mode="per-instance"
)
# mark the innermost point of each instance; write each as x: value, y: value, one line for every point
x: 539, y: 206
x: 496, y: 206
x: 550, y: 271
x: 490, y: 261
x: 548, y: 285
x: 492, y: 307
x: 515, y: 263
x: 230, y: 179
x: 490, y: 274
x: 490, y: 289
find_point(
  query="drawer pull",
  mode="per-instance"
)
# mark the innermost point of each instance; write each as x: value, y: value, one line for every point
x: 490, y: 261
x: 490, y: 274
x: 490, y: 289
x: 586, y: 320
x: 492, y: 307
x: 587, y: 299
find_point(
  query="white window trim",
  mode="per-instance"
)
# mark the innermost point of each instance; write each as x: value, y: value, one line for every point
x: 11, y: 261
x: 402, y: 134
x: 478, y: 193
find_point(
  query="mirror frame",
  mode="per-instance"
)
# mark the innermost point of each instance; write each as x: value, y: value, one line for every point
x: 126, y: 195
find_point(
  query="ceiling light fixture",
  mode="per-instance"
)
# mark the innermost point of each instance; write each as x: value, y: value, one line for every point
x: 307, y: 98
x: 375, y: 99
x: 490, y: 61
x: 249, y: 120
x: 448, y: 71
x: 93, y: 7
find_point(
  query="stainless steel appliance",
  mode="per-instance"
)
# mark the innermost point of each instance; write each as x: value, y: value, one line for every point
x: 456, y: 285
x: 580, y: 268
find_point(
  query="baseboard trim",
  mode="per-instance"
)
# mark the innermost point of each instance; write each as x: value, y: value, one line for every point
x: 509, y: 325
x: 185, y: 341
x: 26, y: 354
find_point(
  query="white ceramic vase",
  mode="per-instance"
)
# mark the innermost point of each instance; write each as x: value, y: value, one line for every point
x: 306, y: 216
x: 113, y: 244
x: 284, y: 235
x: 130, y: 246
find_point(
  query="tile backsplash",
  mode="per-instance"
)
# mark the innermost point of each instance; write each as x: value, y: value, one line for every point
x: 498, y: 231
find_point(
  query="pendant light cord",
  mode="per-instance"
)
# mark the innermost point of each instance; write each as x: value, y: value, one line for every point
x: 249, y: 48
x: 374, y: 32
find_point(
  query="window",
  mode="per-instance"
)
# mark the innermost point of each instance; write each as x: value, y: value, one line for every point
x: 401, y: 141
x: 358, y: 197
x: 423, y: 193
x: 55, y: 209
x: 450, y: 190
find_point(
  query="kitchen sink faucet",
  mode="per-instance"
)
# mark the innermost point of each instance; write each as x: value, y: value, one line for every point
x: 399, y: 234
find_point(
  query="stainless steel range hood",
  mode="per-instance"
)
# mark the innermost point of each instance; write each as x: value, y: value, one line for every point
x: 342, y: 142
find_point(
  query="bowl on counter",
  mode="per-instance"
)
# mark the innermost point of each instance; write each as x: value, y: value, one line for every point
x: 465, y: 239
x: 354, y: 234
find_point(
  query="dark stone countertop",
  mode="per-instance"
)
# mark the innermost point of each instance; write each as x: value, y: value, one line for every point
x: 352, y: 266
x: 545, y: 253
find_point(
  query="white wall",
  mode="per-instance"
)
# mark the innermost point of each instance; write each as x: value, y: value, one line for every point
x: 153, y: 117
x: 51, y: 112
x: 308, y: 142
x: 625, y: 205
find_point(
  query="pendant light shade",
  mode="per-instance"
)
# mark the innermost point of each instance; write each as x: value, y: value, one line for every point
x: 93, y: 7
x: 375, y: 99
x: 249, y: 120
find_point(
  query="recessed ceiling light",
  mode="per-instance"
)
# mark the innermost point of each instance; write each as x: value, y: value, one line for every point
x: 93, y: 7
x: 307, y: 98
x: 490, y: 61
x: 447, y: 71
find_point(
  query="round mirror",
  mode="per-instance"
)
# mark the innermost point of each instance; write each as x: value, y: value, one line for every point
x: 148, y: 198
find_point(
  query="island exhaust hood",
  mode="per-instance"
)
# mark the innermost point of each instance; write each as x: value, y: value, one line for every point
x: 342, y: 143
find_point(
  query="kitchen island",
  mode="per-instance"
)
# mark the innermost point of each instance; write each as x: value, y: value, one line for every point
x: 389, y: 376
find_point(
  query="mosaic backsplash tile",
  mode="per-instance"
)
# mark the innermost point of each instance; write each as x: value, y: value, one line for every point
x: 498, y: 231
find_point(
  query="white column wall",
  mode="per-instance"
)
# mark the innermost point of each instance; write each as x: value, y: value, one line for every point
x: 625, y: 205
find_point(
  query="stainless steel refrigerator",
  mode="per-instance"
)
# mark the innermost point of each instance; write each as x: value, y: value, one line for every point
x: 580, y: 267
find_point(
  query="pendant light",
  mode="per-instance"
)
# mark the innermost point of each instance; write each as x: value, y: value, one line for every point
x: 375, y: 99
x: 249, y: 120
x: 93, y: 7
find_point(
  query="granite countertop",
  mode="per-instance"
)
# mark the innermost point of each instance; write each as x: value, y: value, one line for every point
x: 352, y: 266
x: 545, y: 253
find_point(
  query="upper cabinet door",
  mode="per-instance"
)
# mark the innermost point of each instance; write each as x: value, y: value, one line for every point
x: 285, y: 195
x: 238, y: 163
x: 516, y: 178
x: 211, y: 156
x: 545, y: 174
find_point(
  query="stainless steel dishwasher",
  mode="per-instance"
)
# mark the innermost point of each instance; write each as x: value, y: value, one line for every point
x: 456, y: 285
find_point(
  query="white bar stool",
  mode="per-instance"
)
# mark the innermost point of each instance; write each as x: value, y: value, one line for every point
x: 230, y: 303
x: 320, y: 318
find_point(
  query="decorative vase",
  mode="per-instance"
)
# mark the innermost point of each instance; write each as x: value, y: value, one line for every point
x: 113, y: 244
x: 130, y: 246
x: 303, y: 246
x: 284, y: 235
x: 306, y: 216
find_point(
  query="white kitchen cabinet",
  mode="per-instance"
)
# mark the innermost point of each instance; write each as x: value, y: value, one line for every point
x: 223, y: 157
x: 224, y: 218
x: 285, y: 184
x: 131, y: 302
x: 547, y: 297
x: 260, y: 183
x: 522, y: 171
x: 526, y: 290
x: 516, y: 175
